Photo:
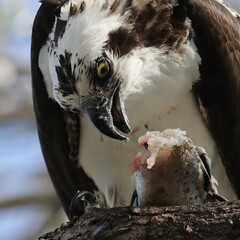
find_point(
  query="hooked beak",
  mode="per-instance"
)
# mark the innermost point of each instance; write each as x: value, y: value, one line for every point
x: 108, y: 113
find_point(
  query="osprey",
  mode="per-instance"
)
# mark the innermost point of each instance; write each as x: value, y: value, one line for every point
x: 106, y: 71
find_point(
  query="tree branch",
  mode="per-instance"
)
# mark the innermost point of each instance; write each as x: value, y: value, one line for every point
x: 217, y: 221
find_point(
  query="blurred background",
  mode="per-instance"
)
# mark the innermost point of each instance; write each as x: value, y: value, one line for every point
x: 28, y: 203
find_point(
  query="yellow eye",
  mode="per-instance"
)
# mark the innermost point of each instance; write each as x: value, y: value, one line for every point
x: 103, y: 69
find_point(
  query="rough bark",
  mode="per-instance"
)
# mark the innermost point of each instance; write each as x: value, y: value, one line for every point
x: 218, y: 221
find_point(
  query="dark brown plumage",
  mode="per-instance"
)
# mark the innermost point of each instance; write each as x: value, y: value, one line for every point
x: 219, y: 88
x: 155, y: 24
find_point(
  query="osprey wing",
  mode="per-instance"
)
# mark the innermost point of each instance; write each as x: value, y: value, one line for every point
x: 58, y: 130
x: 217, y: 37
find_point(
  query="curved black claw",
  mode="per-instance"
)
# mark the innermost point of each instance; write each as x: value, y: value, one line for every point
x: 80, y: 202
x: 209, y: 185
x: 134, y: 199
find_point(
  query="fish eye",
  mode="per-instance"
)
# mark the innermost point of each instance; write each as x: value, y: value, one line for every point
x: 145, y: 145
x: 103, y: 69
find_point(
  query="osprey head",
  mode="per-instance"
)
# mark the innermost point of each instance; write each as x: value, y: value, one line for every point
x: 97, y: 57
x: 83, y: 68
x: 91, y: 86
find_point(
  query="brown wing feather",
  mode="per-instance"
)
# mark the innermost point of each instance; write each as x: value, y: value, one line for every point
x: 217, y: 37
x: 58, y: 130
